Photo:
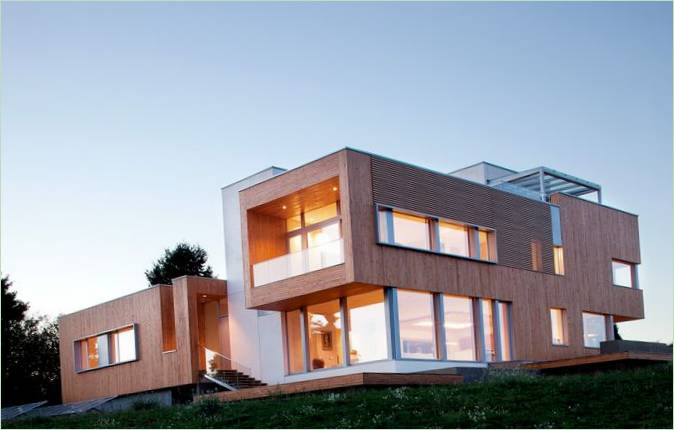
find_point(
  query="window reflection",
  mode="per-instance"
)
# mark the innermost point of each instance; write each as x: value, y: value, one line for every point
x: 622, y: 274
x: 485, y: 252
x: 109, y: 348
x: 504, y: 330
x: 410, y: 230
x: 321, y: 214
x: 323, y: 235
x: 416, y: 322
x: 594, y: 329
x: 488, y: 329
x: 325, y: 335
x: 558, y: 254
x: 367, y: 327
x: 453, y: 238
x: 558, y: 326
x: 459, y: 330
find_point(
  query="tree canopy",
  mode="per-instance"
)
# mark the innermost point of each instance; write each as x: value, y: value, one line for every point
x: 30, y: 353
x: 183, y: 259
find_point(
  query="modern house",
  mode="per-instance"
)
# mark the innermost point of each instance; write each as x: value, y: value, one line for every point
x: 358, y: 263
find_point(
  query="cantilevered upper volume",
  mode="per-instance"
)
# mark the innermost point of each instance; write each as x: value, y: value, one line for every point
x: 356, y: 262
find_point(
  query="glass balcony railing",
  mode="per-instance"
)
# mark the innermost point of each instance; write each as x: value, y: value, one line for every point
x: 297, y: 263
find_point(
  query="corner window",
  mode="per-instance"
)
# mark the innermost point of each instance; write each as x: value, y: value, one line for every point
x: 417, y: 324
x: 558, y: 326
x: 594, y: 329
x: 622, y: 274
x: 558, y: 258
x: 114, y: 347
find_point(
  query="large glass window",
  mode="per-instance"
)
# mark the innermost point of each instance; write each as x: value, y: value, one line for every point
x: 417, y: 324
x: 321, y: 214
x: 488, y: 329
x: 594, y: 329
x: 294, y: 341
x: 459, y: 330
x: 453, y: 238
x: 558, y: 325
x: 325, y: 335
x: 493, y: 345
x: 367, y: 327
x: 411, y: 230
x: 504, y: 330
x: 102, y: 350
x: 323, y: 235
x: 622, y: 274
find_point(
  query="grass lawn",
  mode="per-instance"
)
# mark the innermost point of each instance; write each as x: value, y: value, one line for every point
x: 621, y: 399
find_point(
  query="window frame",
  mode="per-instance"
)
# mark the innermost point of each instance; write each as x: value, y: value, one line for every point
x: 565, y: 327
x: 304, y: 230
x: 558, y: 263
x: 605, y: 325
x: 434, y: 234
x: 108, y: 333
x: 634, y: 283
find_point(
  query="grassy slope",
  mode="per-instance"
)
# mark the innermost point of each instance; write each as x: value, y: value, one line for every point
x: 626, y: 399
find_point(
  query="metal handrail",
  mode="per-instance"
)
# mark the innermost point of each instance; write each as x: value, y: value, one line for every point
x: 234, y: 365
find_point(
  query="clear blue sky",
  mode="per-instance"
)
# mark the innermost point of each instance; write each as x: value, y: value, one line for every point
x: 120, y: 122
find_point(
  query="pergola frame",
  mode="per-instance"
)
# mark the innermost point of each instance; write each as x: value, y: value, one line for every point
x: 546, y: 181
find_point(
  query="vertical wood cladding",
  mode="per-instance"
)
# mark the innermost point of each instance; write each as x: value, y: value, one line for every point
x: 155, y: 367
x: 517, y: 220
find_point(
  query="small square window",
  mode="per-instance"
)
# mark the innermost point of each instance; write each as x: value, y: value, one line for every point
x: 622, y: 273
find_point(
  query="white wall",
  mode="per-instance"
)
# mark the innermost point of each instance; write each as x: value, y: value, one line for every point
x: 256, y: 341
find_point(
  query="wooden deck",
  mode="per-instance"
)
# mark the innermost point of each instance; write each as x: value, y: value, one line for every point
x: 336, y: 382
x: 598, y: 361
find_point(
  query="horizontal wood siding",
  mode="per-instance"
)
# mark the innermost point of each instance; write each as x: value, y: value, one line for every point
x: 517, y: 220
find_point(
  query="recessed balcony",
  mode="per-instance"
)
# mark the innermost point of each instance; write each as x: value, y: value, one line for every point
x: 295, y: 234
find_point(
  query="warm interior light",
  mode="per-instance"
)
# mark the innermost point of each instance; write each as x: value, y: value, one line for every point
x: 334, y: 188
x: 424, y: 323
x: 284, y: 207
x: 204, y: 296
x: 457, y: 326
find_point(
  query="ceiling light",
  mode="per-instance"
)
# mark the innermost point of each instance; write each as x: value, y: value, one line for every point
x: 334, y: 188
x: 284, y: 207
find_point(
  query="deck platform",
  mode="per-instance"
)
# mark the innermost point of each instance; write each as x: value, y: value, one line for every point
x: 599, y: 362
x: 336, y: 382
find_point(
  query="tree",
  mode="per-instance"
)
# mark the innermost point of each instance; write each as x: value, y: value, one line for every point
x: 30, y: 353
x: 184, y: 259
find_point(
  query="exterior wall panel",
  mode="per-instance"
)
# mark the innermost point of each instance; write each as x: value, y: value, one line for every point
x: 153, y: 369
